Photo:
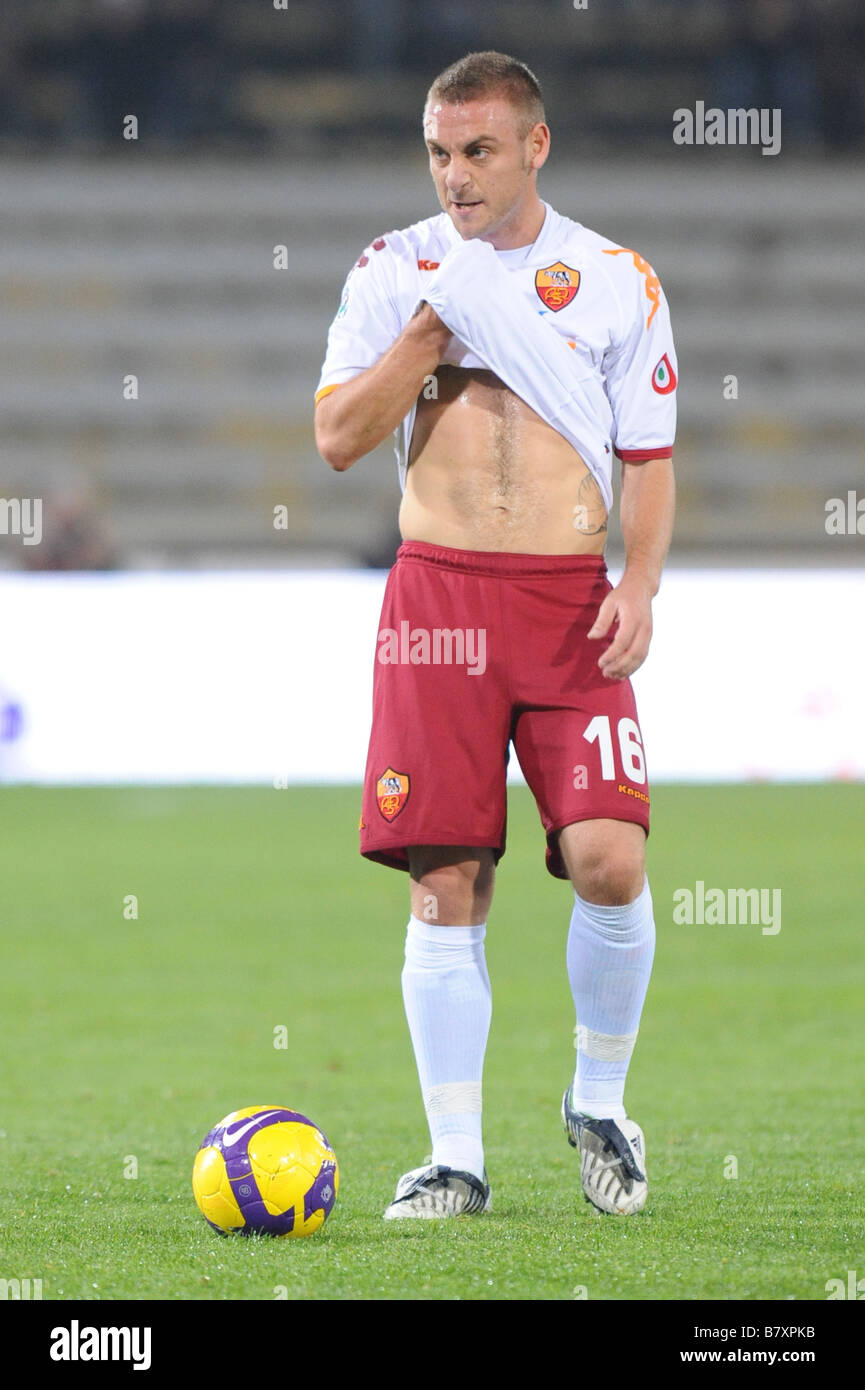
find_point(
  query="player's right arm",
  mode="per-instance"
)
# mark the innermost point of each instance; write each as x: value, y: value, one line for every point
x: 353, y: 417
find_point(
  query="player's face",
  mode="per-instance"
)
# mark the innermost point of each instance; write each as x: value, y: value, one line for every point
x: 484, y: 169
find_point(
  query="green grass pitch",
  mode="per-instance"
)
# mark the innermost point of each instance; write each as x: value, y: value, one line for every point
x: 126, y: 1038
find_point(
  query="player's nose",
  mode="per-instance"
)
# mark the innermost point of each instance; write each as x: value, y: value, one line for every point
x: 457, y: 177
x: 459, y: 192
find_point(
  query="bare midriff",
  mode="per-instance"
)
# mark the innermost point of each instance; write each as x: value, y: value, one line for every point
x: 487, y: 473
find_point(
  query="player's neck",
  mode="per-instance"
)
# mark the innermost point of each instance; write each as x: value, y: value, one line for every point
x: 523, y: 231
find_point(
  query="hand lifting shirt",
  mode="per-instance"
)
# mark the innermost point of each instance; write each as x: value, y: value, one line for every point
x: 575, y: 325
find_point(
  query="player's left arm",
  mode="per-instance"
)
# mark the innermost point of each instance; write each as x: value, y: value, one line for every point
x: 647, y: 509
x: 640, y: 381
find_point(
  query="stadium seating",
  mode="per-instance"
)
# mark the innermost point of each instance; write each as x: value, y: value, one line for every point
x: 166, y: 271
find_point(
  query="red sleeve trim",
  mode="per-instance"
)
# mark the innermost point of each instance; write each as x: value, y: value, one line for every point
x: 663, y: 451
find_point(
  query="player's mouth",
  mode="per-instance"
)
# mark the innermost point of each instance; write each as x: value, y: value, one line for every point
x: 465, y: 206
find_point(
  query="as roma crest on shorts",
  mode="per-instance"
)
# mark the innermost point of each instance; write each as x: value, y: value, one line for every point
x: 557, y: 285
x: 391, y: 792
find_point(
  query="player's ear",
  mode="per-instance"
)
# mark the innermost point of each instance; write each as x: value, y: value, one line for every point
x: 539, y: 144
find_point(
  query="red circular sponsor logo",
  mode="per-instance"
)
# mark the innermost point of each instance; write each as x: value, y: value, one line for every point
x: 664, y: 379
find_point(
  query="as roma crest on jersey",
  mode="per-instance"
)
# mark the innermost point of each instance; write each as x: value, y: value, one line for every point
x: 391, y: 792
x: 557, y: 285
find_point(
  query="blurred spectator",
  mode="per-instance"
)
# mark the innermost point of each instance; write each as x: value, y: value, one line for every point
x: 840, y: 63
x: 73, y: 537
x: 769, y: 62
x: 376, y: 32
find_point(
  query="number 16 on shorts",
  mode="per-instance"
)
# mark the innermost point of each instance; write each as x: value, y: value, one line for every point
x: 627, y: 743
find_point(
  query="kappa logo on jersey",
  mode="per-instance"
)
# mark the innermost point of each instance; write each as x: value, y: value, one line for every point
x: 428, y: 265
x: 653, y: 284
x: 664, y: 379
x: 557, y: 285
x: 392, y: 792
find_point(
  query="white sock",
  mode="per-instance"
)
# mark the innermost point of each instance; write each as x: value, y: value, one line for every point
x: 610, y: 951
x: 448, y: 1004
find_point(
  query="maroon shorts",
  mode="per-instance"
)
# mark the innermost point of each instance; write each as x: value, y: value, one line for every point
x: 477, y: 650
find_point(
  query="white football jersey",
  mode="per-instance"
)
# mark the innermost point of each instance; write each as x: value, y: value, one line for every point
x: 604, y: 300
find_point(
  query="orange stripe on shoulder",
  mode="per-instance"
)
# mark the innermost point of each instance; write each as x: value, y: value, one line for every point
x: 325, y: 391
x: 653, y: 284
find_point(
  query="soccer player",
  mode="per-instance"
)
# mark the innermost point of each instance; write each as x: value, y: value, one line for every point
x: 513, y: 352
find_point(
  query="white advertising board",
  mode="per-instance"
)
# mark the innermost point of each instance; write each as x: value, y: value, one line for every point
x: 254, y: 677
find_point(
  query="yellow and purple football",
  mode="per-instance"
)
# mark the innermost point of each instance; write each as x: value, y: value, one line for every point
x: 265, y: 1170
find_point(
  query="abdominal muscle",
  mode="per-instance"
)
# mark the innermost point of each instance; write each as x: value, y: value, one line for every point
x: 487, y: 473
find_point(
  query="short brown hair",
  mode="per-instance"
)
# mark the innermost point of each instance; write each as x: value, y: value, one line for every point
x: 492, y: 74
